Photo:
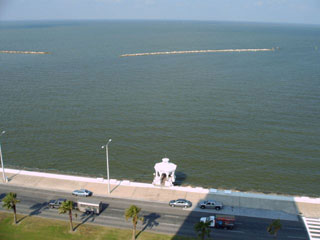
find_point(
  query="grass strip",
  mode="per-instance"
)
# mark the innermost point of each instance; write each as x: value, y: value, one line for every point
x: 33, y: 228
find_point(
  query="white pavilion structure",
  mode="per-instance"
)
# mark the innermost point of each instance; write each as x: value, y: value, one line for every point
x: 164, y: 173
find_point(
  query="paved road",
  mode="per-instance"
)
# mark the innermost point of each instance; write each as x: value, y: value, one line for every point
x: 158, y: 217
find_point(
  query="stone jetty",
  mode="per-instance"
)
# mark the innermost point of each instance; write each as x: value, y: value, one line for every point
x: 198, y: 51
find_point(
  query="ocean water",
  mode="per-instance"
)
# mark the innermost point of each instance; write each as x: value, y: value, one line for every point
x: 246, y: 121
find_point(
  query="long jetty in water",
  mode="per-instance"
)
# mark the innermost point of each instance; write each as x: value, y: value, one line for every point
x: 24, y: 52
x: 198, y: 51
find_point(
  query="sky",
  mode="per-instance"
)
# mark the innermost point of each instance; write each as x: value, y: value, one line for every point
x: 274, y: 11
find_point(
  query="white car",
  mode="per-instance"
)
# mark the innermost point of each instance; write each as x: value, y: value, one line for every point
x: 82, y: 192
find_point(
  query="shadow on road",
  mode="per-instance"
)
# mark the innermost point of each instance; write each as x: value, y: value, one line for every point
x: 36, y: 210
x: 149, y: 221
x: 85, y: 217
x: 2, y: 195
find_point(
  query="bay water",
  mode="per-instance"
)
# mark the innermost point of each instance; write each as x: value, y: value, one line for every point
x: 247, y: 121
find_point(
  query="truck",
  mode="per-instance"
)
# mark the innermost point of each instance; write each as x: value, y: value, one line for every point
x: 211, y: 204
x: 220, y: 221
x: 56, y: 203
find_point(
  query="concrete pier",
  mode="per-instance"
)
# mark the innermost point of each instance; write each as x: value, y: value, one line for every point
x: 198, y: 51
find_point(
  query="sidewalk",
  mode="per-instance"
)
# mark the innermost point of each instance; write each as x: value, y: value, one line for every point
x: 237, y: 203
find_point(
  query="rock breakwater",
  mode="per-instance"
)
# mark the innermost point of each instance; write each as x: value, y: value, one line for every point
x: 24, y: 52
x: 197, y: 51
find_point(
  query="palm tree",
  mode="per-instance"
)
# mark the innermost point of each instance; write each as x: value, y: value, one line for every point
x: 65, y: 207
x: 203, y: 229
x: 10, y: 201
x: 133, y: 212
x: 274, y: 227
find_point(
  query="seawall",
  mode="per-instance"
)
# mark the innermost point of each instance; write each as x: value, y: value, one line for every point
x: 235, y: 201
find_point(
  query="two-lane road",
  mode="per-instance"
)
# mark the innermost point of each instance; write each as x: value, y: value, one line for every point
x: 158, y: 217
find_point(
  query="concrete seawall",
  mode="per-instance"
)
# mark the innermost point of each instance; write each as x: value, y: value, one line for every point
x: 284, y: 205
x: 197, y: 51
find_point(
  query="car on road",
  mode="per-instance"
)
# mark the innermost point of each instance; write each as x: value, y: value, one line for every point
x: 56, y: 203
x: 82, y: 193
x: 180, y: 203
x: 211, y: 204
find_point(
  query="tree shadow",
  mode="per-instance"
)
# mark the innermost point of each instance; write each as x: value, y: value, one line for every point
x: 36, y: 210
x: 149, y: 221
x: 180, y: 178
x: 85, y: 217
x: 2, y: 195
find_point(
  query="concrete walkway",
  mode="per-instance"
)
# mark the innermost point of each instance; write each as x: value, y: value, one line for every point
x: 237, y: 203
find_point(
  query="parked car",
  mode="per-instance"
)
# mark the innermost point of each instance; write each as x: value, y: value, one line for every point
x: 82, y: 193
x: 56, y: 203
x: 180, y: 203
x: 211, y: 204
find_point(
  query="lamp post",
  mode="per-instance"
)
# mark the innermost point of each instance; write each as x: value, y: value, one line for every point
x: 3, y: 174
x: 107, y: 158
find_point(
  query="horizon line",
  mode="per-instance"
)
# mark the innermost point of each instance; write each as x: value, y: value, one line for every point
x: 156, y: 20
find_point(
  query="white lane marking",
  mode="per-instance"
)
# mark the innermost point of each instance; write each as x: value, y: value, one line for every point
x: 297, y: 237
x: 232, y: 231
x: 111, y: 217
x: 173, y: 216
x: 116, y: 210
x: 171, y: 224
x: 293, y: 228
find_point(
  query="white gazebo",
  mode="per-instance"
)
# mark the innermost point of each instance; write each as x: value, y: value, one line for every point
x: 164, y: 173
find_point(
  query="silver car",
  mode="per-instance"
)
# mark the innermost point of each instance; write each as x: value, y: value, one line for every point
x: 211, y: 204
x: 82, y: 193
x: 180, y: 203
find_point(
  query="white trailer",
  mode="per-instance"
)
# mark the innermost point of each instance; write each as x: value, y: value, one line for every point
x: 86, y: 206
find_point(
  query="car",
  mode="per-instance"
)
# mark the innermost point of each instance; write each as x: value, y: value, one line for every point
x: 57, y: 202
x: 82, y: 193
x: 211, y: 204
x: 180, y: 203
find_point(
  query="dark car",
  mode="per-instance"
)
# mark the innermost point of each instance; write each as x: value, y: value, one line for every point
x: 56, y: 203
x: 180, y: 203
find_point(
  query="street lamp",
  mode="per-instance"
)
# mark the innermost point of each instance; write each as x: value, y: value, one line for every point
x: 3, y: 174
x: 107, y: 158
